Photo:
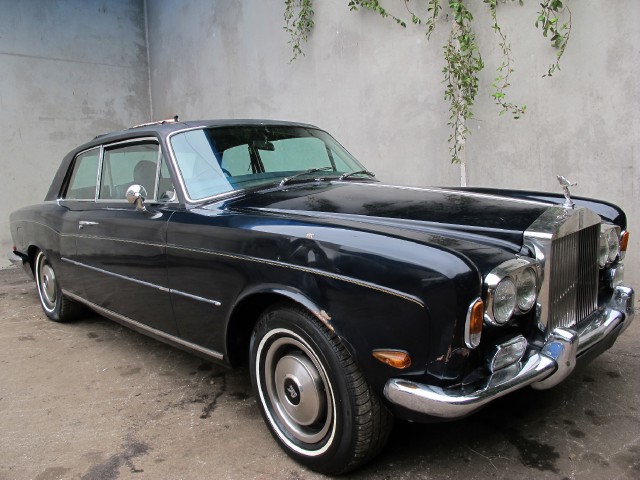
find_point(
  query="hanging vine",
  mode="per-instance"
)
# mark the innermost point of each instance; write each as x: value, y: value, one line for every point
x: 501, y: 82
x: 549, y: 22
x: 463, y: 61
x: 298, y: 18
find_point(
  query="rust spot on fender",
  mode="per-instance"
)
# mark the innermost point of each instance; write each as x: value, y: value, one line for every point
x: 463, y: 352
x: 325, y: 318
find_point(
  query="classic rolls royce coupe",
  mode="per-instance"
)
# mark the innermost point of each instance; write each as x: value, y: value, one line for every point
x: 267, y: 244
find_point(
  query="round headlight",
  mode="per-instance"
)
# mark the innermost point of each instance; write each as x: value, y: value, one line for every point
x: 613, y: 244
x: 603, y: 250
x: 504, y: 300
x: 526, y: 290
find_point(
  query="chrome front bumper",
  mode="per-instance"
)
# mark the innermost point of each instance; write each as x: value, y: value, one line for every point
x: 15, y: 259
x: 543, y: 369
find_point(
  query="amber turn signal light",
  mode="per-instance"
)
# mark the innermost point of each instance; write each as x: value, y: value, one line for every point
x: 394, y: 358
x: 624, y: 241
x: 473, y: 327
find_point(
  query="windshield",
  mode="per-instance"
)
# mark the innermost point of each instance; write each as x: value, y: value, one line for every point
x: 222, y: 159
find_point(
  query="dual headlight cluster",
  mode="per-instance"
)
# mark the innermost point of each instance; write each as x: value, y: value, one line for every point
x: 512, y: 289
x: 609, y: 247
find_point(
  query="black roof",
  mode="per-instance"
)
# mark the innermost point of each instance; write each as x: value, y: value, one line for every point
x: 164, y: 128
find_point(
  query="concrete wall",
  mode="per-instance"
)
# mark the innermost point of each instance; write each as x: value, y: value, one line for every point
x: 69, y: 69
x: 378, y: 88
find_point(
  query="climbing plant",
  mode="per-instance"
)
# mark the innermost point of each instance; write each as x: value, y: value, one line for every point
x: 298, y: 17
x: 463, y: 60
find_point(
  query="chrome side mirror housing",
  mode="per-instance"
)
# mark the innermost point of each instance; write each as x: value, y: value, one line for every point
x: 137, y: 194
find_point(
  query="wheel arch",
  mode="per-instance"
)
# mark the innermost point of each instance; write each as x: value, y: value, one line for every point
x: 247, y: 311
x: 32, y: 253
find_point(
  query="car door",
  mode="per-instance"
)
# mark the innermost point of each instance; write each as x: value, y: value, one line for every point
x: 202, y: 284
x: 122, y: 251
x: 79, y: 194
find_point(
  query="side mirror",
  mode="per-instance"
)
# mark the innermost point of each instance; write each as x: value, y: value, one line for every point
x: 137, y: 194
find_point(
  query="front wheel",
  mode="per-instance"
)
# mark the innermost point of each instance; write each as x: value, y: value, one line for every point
x: 56, y: 305
x: 312, y: 395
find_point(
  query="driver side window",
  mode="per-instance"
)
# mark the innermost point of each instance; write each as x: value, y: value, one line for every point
x: 123, y: 166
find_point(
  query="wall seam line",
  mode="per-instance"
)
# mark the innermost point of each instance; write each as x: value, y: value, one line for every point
x: 146, y: 39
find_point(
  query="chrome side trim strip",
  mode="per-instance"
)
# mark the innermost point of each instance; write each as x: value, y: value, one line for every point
x: 117, y: 275
x: 313, y: 271
x: 274, y: 263
x: 112, y: 239
x: 195, y: 297
x: 91, y: 237
x: 146, y: 329
x: 142, y: 282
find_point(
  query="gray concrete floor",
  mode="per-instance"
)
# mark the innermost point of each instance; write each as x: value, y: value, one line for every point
x: 93, y: 400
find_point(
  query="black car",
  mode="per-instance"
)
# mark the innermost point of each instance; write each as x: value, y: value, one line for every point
x: 267, y: 244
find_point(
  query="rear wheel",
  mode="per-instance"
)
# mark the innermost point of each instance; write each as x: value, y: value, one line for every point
x: 56, y: 305
x: 314, y: 398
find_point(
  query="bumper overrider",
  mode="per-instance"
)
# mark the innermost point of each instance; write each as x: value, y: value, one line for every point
x: 19, y: 259
x: 15, y: 259
x: 541, y: 368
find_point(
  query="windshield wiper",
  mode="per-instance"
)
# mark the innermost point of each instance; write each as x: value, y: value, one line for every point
x: 286, y: 180
x: 348, y: 174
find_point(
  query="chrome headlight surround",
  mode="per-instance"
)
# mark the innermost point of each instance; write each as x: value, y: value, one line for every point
x: 609, y: 244
x: 527, y: 284
x: 503, y: 301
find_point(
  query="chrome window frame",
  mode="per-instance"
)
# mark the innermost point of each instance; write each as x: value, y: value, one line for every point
x: 109, y: 146
x: 72, y: 166
x: 230, y: 193
x: 101, y: 152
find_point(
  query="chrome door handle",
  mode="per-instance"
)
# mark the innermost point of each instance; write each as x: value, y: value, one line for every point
x: 86, y: 223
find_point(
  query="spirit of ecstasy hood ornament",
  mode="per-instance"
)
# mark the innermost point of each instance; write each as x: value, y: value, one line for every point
x: 565, y: 188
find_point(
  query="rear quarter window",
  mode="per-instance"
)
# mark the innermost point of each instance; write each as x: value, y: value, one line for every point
x: 84, y: 177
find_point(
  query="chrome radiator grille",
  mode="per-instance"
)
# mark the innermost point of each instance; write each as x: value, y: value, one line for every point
x: 573, y: 291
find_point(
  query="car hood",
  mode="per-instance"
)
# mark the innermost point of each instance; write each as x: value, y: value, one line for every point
x: 481, y: 218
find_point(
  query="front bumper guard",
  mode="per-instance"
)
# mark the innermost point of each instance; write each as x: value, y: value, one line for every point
x: 19, y: 259
x: 543, y: 369
x: 15, y: 259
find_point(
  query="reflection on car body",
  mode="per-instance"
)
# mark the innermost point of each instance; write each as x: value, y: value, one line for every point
x: 267, y: 244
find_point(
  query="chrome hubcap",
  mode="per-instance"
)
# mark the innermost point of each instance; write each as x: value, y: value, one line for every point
x: 296, y: 390
x: 299, y: 388
x: 47, y: 283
